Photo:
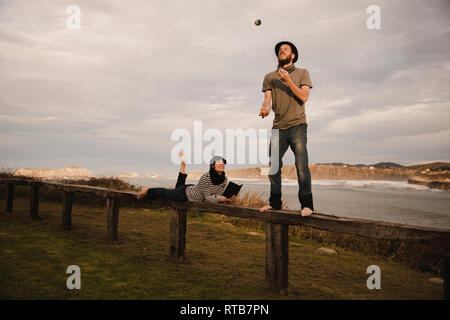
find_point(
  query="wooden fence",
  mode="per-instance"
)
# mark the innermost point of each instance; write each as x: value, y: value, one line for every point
x: 277, y: 225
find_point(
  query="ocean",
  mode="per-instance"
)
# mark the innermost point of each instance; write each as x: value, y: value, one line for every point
x: 389, y: 201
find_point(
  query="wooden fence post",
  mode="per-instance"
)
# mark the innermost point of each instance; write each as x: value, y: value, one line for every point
x: 177, y: 234
x: 446, y: 274
x: 67, y: 211
x: 34, y: 201
x: 277, y: 257
x: 9, y: 197
x: 112, y: 214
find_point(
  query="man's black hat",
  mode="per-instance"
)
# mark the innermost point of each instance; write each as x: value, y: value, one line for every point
x: 293, y: 48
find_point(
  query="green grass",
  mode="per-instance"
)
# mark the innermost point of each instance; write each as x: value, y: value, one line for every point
x: 223, y: 261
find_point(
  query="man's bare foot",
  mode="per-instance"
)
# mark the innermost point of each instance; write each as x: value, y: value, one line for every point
x: 183, y: 162
x: 306, y: 211
x: 142, y: 193
x: 265, y: 208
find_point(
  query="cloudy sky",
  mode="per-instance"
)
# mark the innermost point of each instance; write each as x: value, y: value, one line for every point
x: 108, y: 96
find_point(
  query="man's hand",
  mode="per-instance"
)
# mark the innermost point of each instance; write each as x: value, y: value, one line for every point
x: 284, y: 75
x: 264, y: 112
x: 223, y: 200
x: 265, y: 109
x: 302, y: 93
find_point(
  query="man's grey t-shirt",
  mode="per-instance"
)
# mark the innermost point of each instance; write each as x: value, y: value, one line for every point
x: 289, y: 110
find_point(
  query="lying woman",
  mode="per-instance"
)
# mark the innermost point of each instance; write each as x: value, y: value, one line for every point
x: 210, y: 186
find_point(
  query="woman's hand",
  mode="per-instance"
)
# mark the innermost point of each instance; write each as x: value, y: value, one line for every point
x: 223, y: 200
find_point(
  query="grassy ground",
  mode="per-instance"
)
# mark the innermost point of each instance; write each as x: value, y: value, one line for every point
x: 224, y: 261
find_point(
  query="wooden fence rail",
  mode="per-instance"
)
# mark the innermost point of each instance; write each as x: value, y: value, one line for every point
x: 277, y: 225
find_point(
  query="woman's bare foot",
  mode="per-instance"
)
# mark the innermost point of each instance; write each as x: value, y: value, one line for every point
x: 183, y: 162
x: 142, y: 193
x: 306, y: 212
x: 265, y: 208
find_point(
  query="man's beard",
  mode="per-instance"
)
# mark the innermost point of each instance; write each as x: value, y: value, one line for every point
x: 285, y: 61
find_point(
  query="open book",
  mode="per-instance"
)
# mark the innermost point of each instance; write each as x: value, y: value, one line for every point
x: 232, y: 189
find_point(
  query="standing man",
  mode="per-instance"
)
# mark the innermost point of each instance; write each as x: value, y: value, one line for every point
x: 286, y: 92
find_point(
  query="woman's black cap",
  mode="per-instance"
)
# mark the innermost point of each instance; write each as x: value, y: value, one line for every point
x: 215, y: 158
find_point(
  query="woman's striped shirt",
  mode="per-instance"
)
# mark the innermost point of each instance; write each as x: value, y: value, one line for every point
x: 206, y: 190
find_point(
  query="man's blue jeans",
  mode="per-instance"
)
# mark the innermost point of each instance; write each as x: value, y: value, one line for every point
x: 294, y: 137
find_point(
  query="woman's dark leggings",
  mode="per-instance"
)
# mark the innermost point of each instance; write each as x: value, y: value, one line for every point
x: 177, y: 194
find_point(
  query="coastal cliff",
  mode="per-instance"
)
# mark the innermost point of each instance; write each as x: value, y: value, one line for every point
x: 434, y: 175
x: 71, y: 172
x: 328, y: 172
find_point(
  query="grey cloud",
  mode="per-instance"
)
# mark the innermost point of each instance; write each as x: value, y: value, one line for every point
x: 136, y: 71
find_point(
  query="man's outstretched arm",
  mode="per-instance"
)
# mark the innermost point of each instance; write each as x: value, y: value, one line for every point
x: 266, y: 106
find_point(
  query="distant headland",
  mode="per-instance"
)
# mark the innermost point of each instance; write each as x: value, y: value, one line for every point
x: 435, y: 175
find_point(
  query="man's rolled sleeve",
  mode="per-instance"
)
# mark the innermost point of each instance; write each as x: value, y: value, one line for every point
x: 267, y: 84
x: 305, y: 80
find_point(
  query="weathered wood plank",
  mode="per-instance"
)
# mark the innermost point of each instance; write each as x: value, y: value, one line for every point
x: 23, y: 182
x: 361, y: 227
x: 9, y: 197
x: 277, y: 257
x: 112, y: 216
x: 34, y: 200
x: 102, y: 192
x: 67, y: 211
x: 177, y: 234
